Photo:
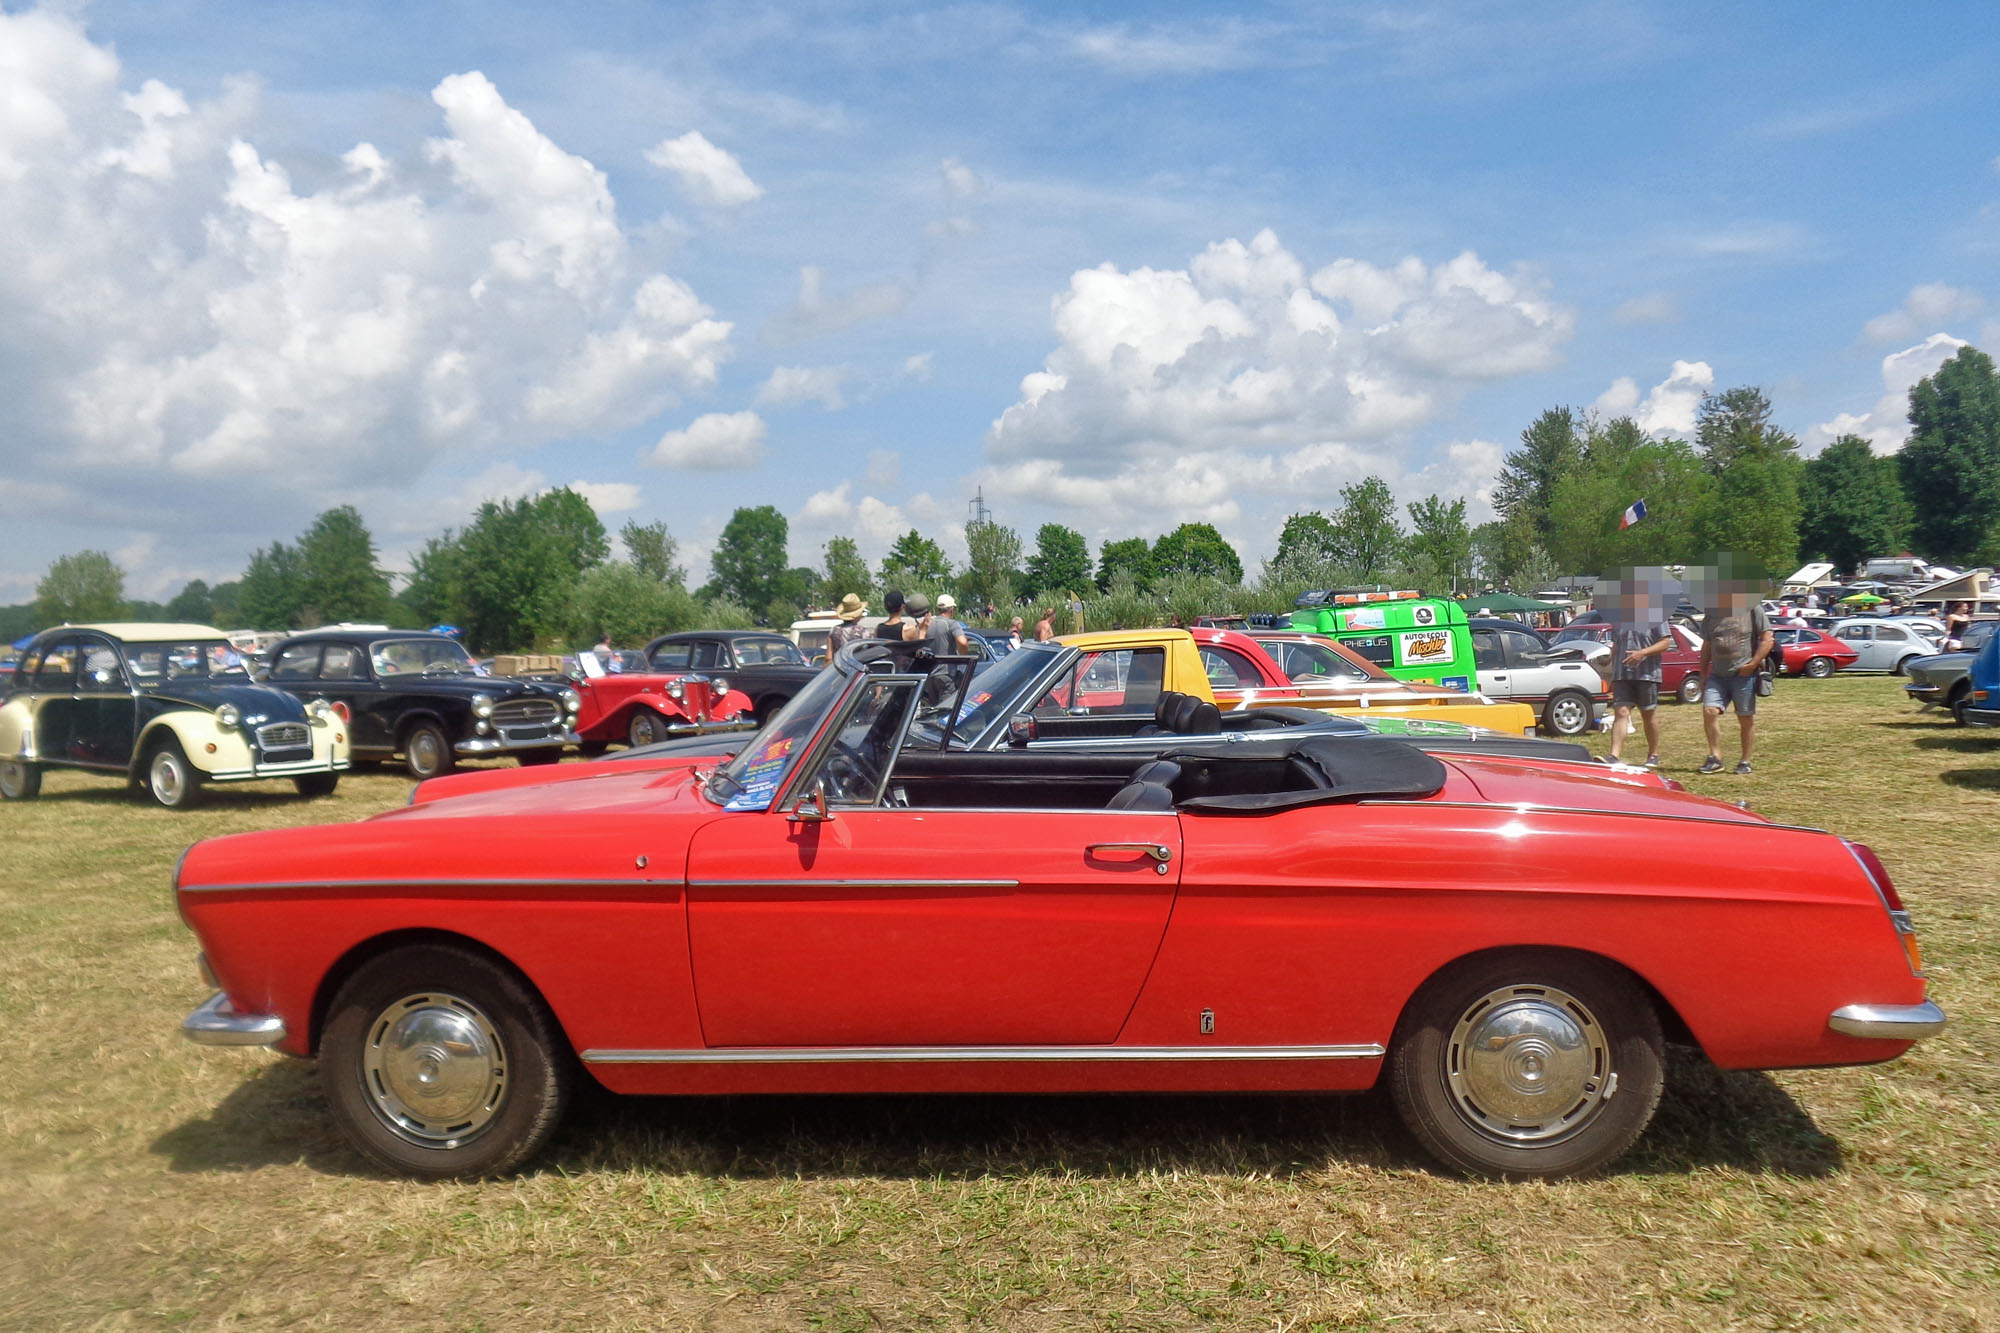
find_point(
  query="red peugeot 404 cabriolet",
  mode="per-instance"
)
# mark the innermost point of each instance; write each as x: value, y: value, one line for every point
x: 839, y: 908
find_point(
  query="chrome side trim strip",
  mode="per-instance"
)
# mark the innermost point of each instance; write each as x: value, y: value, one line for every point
x: 1890, y: 1022
x: 854, y: 884
x: 218, y: 1023
x: 814, y: 1055
x: 1530, y: 807
x: 419, y: 885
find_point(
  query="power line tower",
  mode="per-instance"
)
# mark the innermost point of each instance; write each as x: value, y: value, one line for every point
x: 977, y: 505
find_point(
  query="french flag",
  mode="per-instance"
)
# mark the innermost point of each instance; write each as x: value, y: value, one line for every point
x: 1632, y: 515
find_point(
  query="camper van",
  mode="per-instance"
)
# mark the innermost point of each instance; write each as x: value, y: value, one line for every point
x: 1905, y: 569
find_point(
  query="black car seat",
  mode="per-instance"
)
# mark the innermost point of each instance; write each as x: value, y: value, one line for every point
x: 1149, y: 788
x: 1205, y: 719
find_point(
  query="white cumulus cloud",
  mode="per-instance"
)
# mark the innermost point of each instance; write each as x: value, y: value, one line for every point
x: 789, y: 386
x: 1669, y: 407
x: 608, y: 497
x: 712, y: 175
x: 1926, y: 307
x: 717, y: 442
x: 1887, y: 424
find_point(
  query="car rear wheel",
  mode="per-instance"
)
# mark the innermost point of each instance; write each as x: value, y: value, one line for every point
x: 1961, y: 695
x: 1819, y: 668
x: 19, y: 779
x: 1903, y: 664
x: 314, y: 785
x: 646, y: 728
x: 1690, y: 688
x: 426, y: 752
x: 170, y: 779
x: 441, y: 1063
x: 1526, y: 1065
x: 1567, y: 714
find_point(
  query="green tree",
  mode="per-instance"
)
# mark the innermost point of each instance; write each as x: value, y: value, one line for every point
x: 192, y: 604
x: 629, y: 603
x: 1621, y: 465
x: 1306, y: 540
x: 846, y: 572
x: 1061, y: 562
x: 653, y: 551
x: 1133, y: 557
x: 222, y: 601
x: 915, y: 563
x: 1753, y: 508
x: 749, y: 562
x: 1851, y: 505
x: 1196, y: 548
x: 1439, y: 552
x: 337, y: 578
x: 992, y: 569
x: 1368, y: 539
x: 433, y: 596
x: 84, y: 586
x: 268, y: 593
x: 1550, y: 448
x: 1732, y: 422
x: 1951, y: 465
x: 517, y: 567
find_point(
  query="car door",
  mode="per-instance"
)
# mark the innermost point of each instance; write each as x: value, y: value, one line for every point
x: 55, y: 706
x: 104, y: 722
x: 1861, y: 638
x: 1893, y: 643
x: 1489, y: 661
x: 884, y: 926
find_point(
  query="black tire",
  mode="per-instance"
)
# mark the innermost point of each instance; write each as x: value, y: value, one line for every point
x: 1903, y: 665
x: 1567, y: 713
x: 1506, y: 1066
x: 537, y: 758
x: 767, y: 708
x: 1819, y: 668
x: 315, y: 785
x: 441, y: 1063
x: 645, y: 728
x: 20, y: 780
x: 1961, y: 695
x: 1690, y: 688
x: 427, y: 752
x: 169, y: 778
x: 592, y: 749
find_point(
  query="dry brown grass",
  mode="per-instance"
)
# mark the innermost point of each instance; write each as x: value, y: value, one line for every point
x: 150, y: 1183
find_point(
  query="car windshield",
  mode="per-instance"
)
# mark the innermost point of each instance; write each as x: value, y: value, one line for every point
x: 996, y: 692
x: 752, y: 778
x: 765, y: 652
x: 177, y: 660
x: 1317, y: 661
x: 428, y: 657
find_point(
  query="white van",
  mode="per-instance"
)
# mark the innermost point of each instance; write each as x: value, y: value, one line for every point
x: 1906, y: 569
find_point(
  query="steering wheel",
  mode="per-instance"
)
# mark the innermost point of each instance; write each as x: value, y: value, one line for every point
x: 846, y: 771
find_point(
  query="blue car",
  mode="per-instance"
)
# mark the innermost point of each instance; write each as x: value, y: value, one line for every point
x: 1982, y: 706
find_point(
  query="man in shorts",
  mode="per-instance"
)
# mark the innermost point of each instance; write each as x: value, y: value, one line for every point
x: 1638, y: 638
x: 1735, y: 641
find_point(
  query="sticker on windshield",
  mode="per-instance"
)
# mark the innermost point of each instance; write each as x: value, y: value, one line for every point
x: 1426, y: 646
x: 760, y: 777
x: 1368, y: 617
x: 1455, y: 683
x: 972, y: 704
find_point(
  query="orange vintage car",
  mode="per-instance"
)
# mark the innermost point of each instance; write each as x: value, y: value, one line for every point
x: 840, y: 909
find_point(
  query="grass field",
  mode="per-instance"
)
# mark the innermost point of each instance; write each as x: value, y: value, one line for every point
x: 150, y: 1183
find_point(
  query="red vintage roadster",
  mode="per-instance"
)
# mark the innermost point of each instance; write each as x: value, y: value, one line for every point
x: 838, y: 908
x: 626, y: 700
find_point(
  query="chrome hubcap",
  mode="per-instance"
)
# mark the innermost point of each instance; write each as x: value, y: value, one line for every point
x: 1569, y: 715
x: 424, y: 752
x: 13, y: 778
x: 167, y: 778
x: 643, y: 730
x: 1528, y: 1065
x: 435, y: 1070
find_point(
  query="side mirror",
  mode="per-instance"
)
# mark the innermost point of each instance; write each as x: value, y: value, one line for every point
x: 812, y: 807
x: 1020, y: 729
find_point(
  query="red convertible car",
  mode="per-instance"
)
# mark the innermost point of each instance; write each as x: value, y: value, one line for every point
x: 625, y: 699
x: 841, y: 909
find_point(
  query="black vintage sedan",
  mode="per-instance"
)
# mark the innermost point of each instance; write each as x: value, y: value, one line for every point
x: 421, y: 696
x: 168, y: 707
x: 767, y: 667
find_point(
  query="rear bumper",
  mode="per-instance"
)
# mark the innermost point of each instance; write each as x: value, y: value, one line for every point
x: 1888, y: 1022
x: 219, y: 1023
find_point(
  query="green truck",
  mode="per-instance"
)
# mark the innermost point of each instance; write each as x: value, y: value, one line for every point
x: 1411, y: 637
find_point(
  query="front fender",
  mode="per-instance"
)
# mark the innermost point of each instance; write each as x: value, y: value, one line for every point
x: 733, y: 704
x: 674, y: 710
x: 17, y: 730
x: 209, y: 746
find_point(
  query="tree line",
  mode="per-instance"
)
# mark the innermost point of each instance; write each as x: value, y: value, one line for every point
x: 539, y: 571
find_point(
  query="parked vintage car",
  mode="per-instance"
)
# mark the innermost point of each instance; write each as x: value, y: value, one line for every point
x: 419, y: 695
x: 1944, y: 679
x: 1881, y: 644
x: 1513, y: 663
x: 1811, y: 652
x: 625, y: 700
x: 836, y: 910
x: 168, y: 707
x: 1680, y: 664
x: 767, y: 667
x: 1982, y: 700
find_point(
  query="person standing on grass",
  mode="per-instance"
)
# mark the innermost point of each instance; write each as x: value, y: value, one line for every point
x: 1638, y: 639
x: 1735, y: 641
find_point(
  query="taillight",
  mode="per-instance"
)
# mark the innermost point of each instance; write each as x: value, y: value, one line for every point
x: 1899, y: 916
x: 1873, y: 865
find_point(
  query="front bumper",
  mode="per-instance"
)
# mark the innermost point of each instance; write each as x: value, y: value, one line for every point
x: 219, y: 1023
x: 479, y: 745
x: 1924, y: 694
x: 709, y: 728
x: 294, y: 769
x: 1888, y: 1022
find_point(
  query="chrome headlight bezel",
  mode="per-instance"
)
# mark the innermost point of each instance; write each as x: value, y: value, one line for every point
x: 228, y: 717
x: 482, y: 705
x: 676, y: 690
x: 572, y: 700
x: 718, y: 684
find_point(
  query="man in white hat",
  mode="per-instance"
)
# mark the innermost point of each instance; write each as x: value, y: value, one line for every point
x: 946, y: 634
x: 850, y: 611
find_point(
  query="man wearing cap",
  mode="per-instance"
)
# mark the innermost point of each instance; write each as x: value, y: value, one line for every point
x: 850, y: 611
x: 945, y: 634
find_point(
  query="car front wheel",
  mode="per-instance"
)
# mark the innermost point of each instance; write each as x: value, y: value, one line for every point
x: 1819, y: 668
x: 426, y: 752
x: 19, y: 779
x: 315, y: 785
x: 170, y: 779
x: 439, y: 1062
x: 1567, y: 714
x: 1523, y: 1065
x: 646, y: 728
x: 1690, y: 688
x: 1960, y: 697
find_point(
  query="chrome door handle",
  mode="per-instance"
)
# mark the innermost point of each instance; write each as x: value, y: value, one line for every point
x: 1158, y: 852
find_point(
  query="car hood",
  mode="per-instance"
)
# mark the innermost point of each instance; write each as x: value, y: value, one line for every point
x: 257, y: 703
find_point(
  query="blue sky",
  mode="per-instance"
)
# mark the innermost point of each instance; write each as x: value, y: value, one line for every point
x: 1121, y: 267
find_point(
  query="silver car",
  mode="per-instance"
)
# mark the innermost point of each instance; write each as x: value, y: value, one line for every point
x: 1883, y: 645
